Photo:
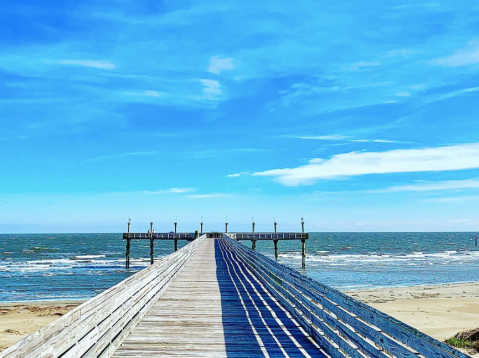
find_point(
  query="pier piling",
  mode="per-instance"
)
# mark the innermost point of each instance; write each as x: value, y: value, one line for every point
x: 127, y: 254
x: 275, y: 249
x: 303, y: 254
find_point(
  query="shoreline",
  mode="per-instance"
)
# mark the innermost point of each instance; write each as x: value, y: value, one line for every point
x: 440, y: 310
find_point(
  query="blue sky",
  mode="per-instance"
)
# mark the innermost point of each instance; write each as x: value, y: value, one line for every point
x: 359, y: 116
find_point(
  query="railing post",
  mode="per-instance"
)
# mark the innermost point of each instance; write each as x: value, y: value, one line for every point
x: 253, y: 244
x: 176, y: 245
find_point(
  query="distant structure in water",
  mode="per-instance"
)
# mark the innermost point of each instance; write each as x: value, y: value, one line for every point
x: 238, y: 236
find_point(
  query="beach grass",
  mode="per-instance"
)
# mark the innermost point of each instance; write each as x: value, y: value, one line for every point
x: 463, y: 343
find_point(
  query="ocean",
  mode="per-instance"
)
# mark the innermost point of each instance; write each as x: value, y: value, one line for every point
x: 78, y: 266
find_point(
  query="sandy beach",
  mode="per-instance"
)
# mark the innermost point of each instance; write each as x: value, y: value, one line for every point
x: 18, y: 320
x: 440, y: 311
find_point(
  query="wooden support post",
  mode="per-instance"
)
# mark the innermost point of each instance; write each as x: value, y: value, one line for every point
x: 127, y: 255
x: 275, y: 249
x: 253, y: 244
x: 176, y: 245
x: 152, y: 250
x: 303, y: 254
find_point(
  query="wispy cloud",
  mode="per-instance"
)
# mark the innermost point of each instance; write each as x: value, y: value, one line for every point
x: 338, y: 137
x: 104, y: 65
x: 237, y: 174
x: 155, y: 94
x: 128, y: 154
x: 458, y: 157
x: 465, y: 56
x: 431, y: 186
x: 211, y: 89
x: 457, y: 93
x: 457, y: 199
x: 206, y: 196
x: 169, y: 191
x: 217, y: 65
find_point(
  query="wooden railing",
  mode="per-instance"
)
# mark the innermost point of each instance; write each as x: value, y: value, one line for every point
x: 160, y: 236
x: 98, y: 326
x: 342, y: 325
x: 269, y: 236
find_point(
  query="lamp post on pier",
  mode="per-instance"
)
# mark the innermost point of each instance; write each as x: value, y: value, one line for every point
x: 152, y: 244
x: 127, y: 254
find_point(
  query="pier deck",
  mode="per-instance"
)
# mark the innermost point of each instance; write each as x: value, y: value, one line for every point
x: 216, y: 308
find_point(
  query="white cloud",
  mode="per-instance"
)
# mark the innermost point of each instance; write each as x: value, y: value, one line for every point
x: 206, y: 196
x: 217, y: 65
x: 237, y: 174
x: 466, y: 56
x: 458, y: 157
x: 169, y: 191
x: 211, y: 89
x: 104, y: 65
x: 432, y: 186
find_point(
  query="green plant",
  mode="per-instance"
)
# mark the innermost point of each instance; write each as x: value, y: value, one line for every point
x: 462, y: 343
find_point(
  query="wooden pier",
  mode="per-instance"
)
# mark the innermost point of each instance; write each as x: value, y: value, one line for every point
x: 215, y: 297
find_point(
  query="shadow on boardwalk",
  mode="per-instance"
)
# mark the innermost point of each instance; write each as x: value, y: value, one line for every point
x: 254, y: 324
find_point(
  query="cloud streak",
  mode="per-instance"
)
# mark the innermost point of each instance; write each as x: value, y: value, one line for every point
x: 431, y: 186
x: 169, y: 191
x: 448, y: 158
x: 207, y: 196
x: 338, y: 137
x: 104, y: 65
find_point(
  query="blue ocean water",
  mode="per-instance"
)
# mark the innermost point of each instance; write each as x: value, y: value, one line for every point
x: 70, y: 266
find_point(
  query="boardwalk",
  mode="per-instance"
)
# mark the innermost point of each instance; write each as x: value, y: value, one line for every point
x: 215, y: 297
x: 216, y: 308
